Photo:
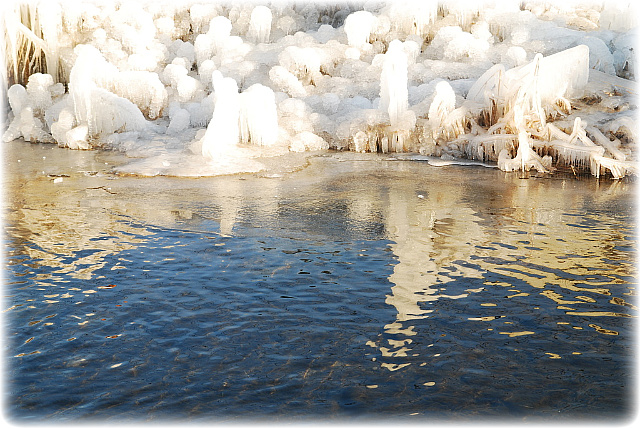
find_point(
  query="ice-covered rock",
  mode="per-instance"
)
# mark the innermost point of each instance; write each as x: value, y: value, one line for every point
x: 65, y: 121
x: 180, y: 120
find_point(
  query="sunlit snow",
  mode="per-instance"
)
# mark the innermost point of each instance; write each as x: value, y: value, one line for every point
x: 207, y: 88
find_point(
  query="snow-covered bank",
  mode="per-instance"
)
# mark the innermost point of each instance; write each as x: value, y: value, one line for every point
x: 211, y: 88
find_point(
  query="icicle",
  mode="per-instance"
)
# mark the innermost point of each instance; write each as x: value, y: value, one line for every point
x: 618, y: 168
x: 572, y: 154
x: 394, y: 94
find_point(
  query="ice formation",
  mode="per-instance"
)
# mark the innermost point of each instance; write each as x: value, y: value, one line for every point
x: 358, y: 27
x: 526, y: 85
x: 223, y: 132
x: 260, y: 24
x: 258, y: 116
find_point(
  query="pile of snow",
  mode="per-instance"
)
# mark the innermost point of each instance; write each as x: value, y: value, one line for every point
x: 218, y: 83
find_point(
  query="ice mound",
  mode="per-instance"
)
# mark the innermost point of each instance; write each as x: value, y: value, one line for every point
x: 213, y: 85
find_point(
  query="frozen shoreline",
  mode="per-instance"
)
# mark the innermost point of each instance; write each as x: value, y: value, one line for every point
x: 208, y: 89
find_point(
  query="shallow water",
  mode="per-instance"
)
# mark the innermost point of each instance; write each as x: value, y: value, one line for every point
x: 357, y: 287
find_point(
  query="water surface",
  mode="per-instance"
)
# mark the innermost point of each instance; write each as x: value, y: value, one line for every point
x: 357, y: 287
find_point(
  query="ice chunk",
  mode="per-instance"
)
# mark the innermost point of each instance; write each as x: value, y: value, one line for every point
x: 540, y: 83
x: 39, y: 92
x: 444, y: 119
x: 201, y: 113
x: 203, y: 48
x: 515, y: 57
x: 458, y: 44
x: 219, y: 31
x: 619, y: 16
x: 187, y: 88
x: 205, y: 68
x: 564, y: 74
x: 304, y: 63
x: 287, y: 24
x: 294, y: 116
x: 104, y: 112
x: 187, y: 50
x: 330, y: 102
x: 463, y: 11
x: 201, y: 15
x: 142, y: 88
x: 173, y: 73
x: 625, y: 60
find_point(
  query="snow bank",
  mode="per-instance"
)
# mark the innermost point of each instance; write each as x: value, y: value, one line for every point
x: 488, y: 80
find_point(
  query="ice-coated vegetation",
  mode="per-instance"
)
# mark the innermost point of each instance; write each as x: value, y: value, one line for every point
x: 524, y: 85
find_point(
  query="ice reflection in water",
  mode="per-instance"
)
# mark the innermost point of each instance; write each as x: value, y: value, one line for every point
x: 526, y: 240
x: 353, y: 285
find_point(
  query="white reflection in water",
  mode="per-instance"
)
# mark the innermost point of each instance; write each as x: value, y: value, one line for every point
x: 430, y: 230
x: 529, y: 234
x: 426, y: 241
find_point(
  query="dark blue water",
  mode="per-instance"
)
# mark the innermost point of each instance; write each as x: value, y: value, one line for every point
x: 351, y: 289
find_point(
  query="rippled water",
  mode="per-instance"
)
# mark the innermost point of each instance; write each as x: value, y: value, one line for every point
x: 357, y: 287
